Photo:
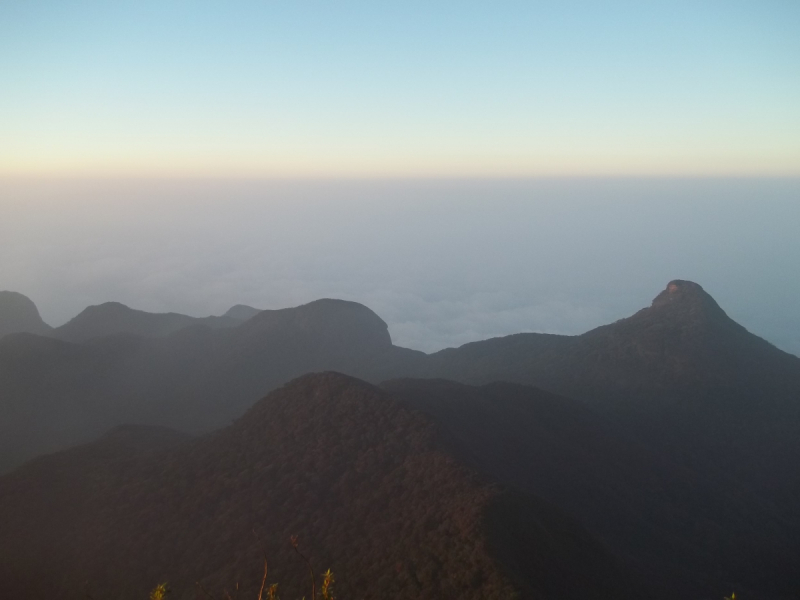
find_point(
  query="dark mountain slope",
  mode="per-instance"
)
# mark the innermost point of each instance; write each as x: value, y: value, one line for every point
x: 18, y: 314
x: 681, y: 375
x: 684, y: 532
x: 369, y: 486
x: 683, y: 343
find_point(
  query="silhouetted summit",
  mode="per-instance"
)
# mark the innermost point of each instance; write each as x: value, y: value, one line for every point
x: 242, y: 312
x: 683, y: 308
x: 18, y: 314
x: 332, y: 322
x: 683, y: 341
x: 680, y: 376
x: 689, y: 295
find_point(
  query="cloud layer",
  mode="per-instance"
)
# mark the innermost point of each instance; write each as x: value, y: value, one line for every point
x: 443, y: 262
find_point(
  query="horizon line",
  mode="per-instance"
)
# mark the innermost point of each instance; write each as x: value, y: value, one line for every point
x: 218, y: 177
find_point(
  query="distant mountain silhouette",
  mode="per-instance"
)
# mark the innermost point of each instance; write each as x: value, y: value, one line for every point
x: 18, y: 314
x: 680, y: 374
x: 113, y: 318
x: 681, y: 362
x: 56, y: 394
x: 242, y: 312
x: 370, y: 487
x: 683, y: 342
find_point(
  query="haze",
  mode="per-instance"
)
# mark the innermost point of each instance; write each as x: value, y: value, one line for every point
x: 465, y: 170
x: 444, y: 262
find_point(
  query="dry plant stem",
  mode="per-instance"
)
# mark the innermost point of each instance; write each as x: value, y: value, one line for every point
x: 228, y: 594
x: 264, y: 579
x: 310, y: 570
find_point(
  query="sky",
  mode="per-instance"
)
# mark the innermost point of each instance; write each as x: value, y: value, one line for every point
x: 443, y: 262
x: 465, y: 169
x: 399, y: 89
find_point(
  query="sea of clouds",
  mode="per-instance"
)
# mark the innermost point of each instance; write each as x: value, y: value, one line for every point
x: 443, y: 262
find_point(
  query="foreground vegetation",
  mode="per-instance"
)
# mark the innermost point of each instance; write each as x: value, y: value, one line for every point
x: 265, y: 592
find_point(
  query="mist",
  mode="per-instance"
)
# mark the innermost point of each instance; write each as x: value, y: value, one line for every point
x: 443, y: 262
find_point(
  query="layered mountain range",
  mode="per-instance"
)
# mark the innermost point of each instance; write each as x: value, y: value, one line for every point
x: 18, y: 314
x: 656, y: 456
x: 371, y: 486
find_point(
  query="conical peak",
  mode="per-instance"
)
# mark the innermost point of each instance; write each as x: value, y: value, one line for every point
x: 678, y: 286
x: 687, y: 296
x: 680, y: 289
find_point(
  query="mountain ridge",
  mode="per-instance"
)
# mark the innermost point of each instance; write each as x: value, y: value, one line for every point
x: 658, y: 359
x: 19, y: 314
x: 365, y: 481
x: 678, y: 382
x: 112, y: 318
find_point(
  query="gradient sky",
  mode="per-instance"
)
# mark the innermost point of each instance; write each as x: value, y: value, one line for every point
x: 364, y: 89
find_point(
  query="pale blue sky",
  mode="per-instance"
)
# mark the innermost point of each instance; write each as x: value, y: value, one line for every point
x: 411, y: 88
